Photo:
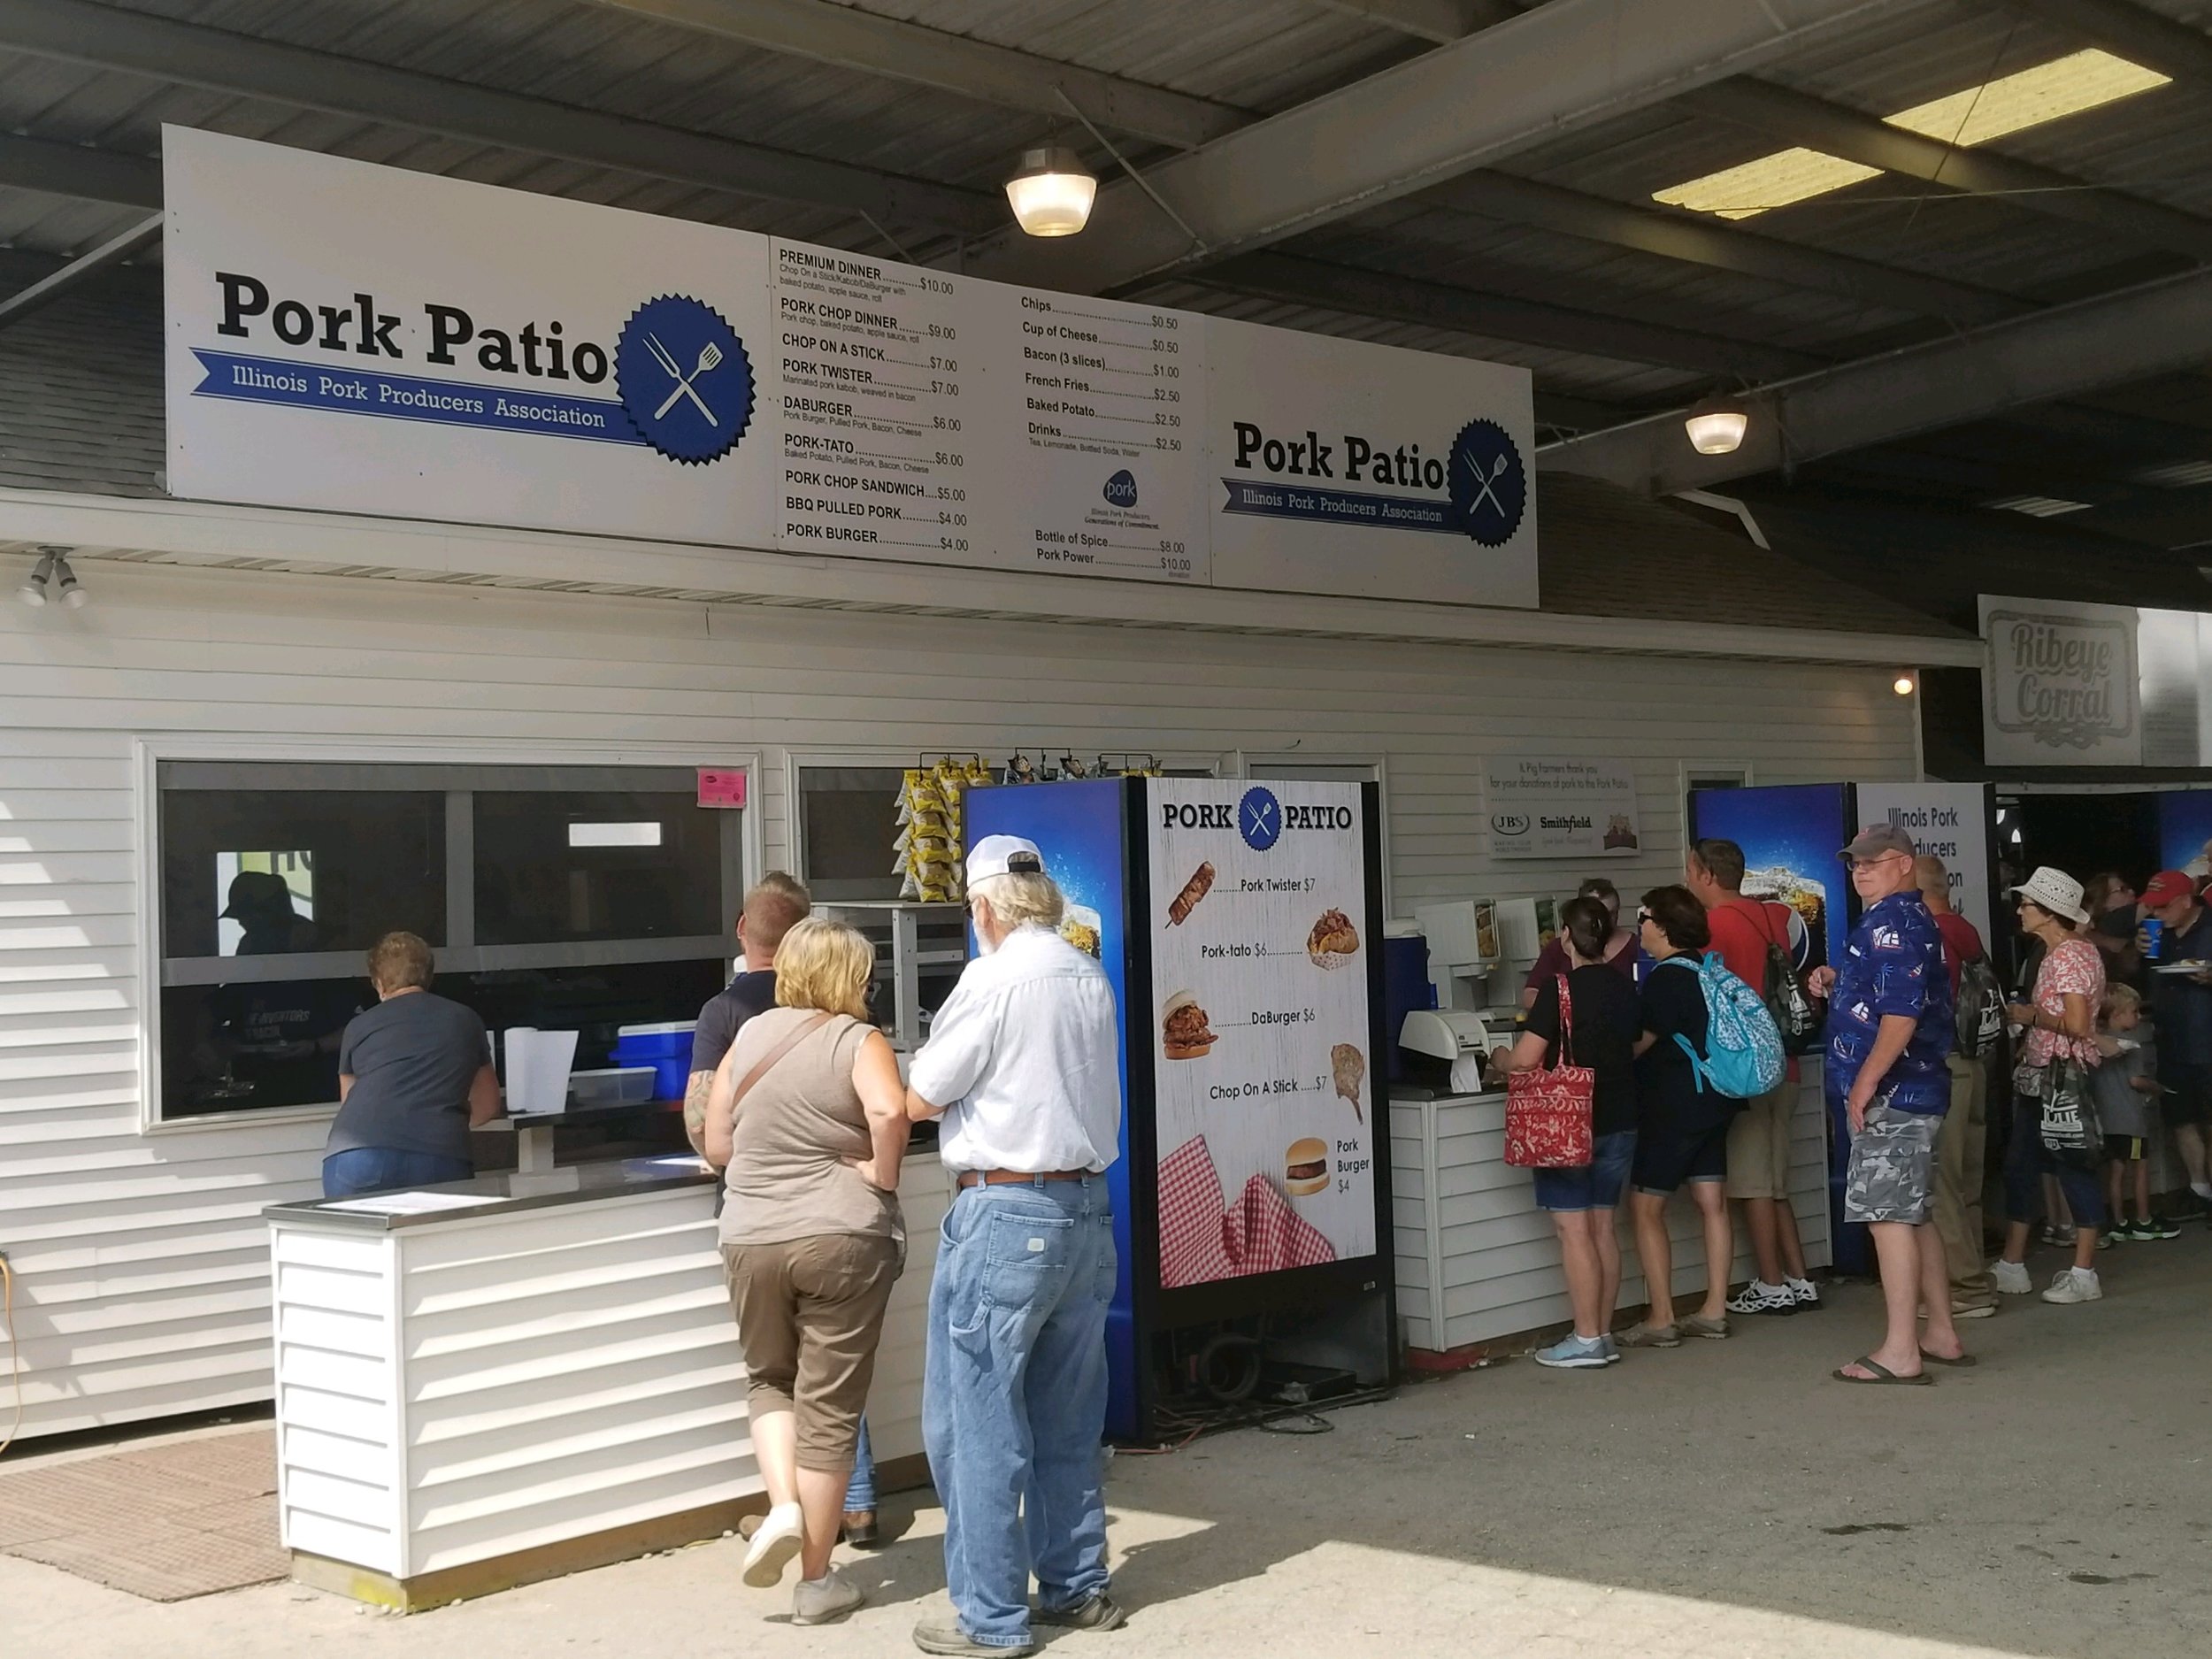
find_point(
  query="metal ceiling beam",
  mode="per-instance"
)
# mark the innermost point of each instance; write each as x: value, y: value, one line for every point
x: 1300, y: 281
x: 1440, y: 21
x: 50, y: 289
x: 1566, y: 66
x: 2133, y: 31
x: 241, y: 65
x: 862, y: 40
x: 1696, y: 240
x: 2061, y: 353
x: 1795, y: 117
x: 74, y: 171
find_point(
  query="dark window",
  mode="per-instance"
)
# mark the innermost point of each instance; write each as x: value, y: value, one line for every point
x: 553, y: 867
x: 299, y: 869
x: 849, y: 820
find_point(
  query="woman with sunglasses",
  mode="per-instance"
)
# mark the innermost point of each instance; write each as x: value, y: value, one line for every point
x: 2060, y: 1022
x: 1681, y: 1129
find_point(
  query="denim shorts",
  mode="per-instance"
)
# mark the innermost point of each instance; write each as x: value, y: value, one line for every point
x: 1596, y: 1185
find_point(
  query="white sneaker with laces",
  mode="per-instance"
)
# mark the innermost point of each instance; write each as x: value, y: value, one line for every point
x: 1760, y: 1297
x: 830, y: 1597
x: 1803, y: 1292
x: 2011, y: 1277
x: 2075, y: 1284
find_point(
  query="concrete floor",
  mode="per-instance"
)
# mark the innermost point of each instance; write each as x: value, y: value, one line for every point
x: 1721, y: 1499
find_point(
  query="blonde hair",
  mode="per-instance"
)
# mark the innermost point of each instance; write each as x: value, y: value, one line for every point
x: 2120, y: 999
x: 1020, y: 896
x: 400, y: 960
x: 826, y: 965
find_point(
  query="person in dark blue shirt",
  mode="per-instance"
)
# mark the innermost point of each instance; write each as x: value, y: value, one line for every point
x: 1889, y: 1030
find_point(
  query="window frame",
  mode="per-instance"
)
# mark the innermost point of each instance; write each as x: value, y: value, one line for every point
x: 460, y: 953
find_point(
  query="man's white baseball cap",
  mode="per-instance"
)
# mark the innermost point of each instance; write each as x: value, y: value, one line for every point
x: 1000, y: 855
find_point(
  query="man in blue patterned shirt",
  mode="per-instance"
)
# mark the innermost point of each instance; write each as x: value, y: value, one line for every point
x: 1889, y: 1028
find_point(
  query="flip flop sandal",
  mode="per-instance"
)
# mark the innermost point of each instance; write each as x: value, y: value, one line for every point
x: 1927, y: 1358
x: 1883, y: 1376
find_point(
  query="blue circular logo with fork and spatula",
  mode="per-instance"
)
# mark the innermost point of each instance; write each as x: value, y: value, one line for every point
x: 685, y: 380
x: 1488, y: 483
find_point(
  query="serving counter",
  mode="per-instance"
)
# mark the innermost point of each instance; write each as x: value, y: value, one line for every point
x: 500, y: 1379
x: 1478, y: 1261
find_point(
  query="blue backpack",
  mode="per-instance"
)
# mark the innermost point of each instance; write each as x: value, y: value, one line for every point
x: 1743, y: 1046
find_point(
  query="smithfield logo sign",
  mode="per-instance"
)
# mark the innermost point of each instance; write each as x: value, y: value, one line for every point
x: 2066, y: 682
x: 682, y: 380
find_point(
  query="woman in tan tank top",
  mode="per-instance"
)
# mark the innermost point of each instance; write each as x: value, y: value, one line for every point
x: 807, y: 1118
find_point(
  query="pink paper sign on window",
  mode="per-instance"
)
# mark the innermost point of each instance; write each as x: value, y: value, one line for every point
x: 720, y: 785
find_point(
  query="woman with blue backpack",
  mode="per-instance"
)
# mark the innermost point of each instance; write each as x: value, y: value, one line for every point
x: 1682, y: 1123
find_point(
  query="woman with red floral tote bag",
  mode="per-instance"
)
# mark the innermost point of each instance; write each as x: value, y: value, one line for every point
x: 1588, y: 1020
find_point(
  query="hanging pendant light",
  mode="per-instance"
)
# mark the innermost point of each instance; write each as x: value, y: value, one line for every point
x: 1051, y: 195
x: 1716, y: 425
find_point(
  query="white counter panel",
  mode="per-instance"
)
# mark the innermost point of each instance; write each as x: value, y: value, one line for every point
x: 459, y: 1390
x: 1478, y: 1259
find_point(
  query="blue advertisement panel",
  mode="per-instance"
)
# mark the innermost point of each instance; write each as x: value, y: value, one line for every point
x: 1080, y: 828
x: 2184, y: 826
x: 1790, y: 835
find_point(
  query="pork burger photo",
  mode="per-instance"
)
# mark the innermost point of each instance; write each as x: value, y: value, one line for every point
x: 1306, y: 1167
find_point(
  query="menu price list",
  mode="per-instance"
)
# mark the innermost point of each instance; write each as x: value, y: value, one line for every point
x: 876, y: 382
x: 1106, y: 423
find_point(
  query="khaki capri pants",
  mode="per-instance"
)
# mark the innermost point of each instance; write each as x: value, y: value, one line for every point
x: 809, y: 1313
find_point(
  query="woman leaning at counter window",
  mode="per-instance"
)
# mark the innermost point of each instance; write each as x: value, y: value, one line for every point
x: 808, y: 1118
x: 412, y: 1081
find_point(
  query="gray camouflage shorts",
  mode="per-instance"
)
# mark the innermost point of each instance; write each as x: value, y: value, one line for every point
x: 1891, y: 1160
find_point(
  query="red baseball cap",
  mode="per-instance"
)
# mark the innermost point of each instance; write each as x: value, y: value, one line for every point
x: 2167, y: 886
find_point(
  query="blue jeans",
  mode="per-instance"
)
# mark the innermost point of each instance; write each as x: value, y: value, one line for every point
x: 360, y: 1169
x: 1014, y: 1399
x: 861, y: 1494
x: 1596, y: 1185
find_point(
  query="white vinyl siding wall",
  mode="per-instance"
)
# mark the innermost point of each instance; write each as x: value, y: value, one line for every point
x: 142, y: 1259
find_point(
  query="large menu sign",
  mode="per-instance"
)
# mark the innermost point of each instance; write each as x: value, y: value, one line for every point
x: 1266, y: 1104
x: 361, y: 339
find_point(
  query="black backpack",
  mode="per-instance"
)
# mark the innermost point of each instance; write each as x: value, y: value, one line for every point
x: 1784, y: 994
x: 1981, y: 1009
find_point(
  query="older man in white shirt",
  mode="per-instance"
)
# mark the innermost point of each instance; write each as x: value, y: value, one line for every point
x: 1023, y: 1064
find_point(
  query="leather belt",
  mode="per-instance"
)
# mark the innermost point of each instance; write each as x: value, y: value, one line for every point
x: 1011, y: 1178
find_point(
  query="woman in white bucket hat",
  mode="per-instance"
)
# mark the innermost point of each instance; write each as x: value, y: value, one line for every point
x: 2060, y: 1022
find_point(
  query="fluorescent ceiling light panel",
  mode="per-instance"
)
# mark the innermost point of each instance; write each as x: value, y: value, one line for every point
x: 2010, y: 103
x: 614, y: 835
x: 1771, y: 181
x: 2038, y: 506
x: 2177, y: 474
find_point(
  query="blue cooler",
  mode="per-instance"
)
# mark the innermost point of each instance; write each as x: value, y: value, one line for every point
x: 666, y: 1048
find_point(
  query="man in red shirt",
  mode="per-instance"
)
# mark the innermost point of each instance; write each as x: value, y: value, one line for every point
x: 1963, y: 1143
x: 1759, y: 1140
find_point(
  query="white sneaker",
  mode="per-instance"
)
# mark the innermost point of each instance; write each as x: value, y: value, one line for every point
x: 819, y: 1601
x: 1760, y: 1297
x: 1804, y: 1292
x: 774, y: 1545
x: 2076, y: 1284
x: 2011, y: 1277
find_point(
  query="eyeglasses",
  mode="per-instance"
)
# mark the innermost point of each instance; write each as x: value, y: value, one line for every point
x: 1642, y: 915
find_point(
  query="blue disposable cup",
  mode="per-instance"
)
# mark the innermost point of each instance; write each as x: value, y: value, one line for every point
x: 2154, y: 937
